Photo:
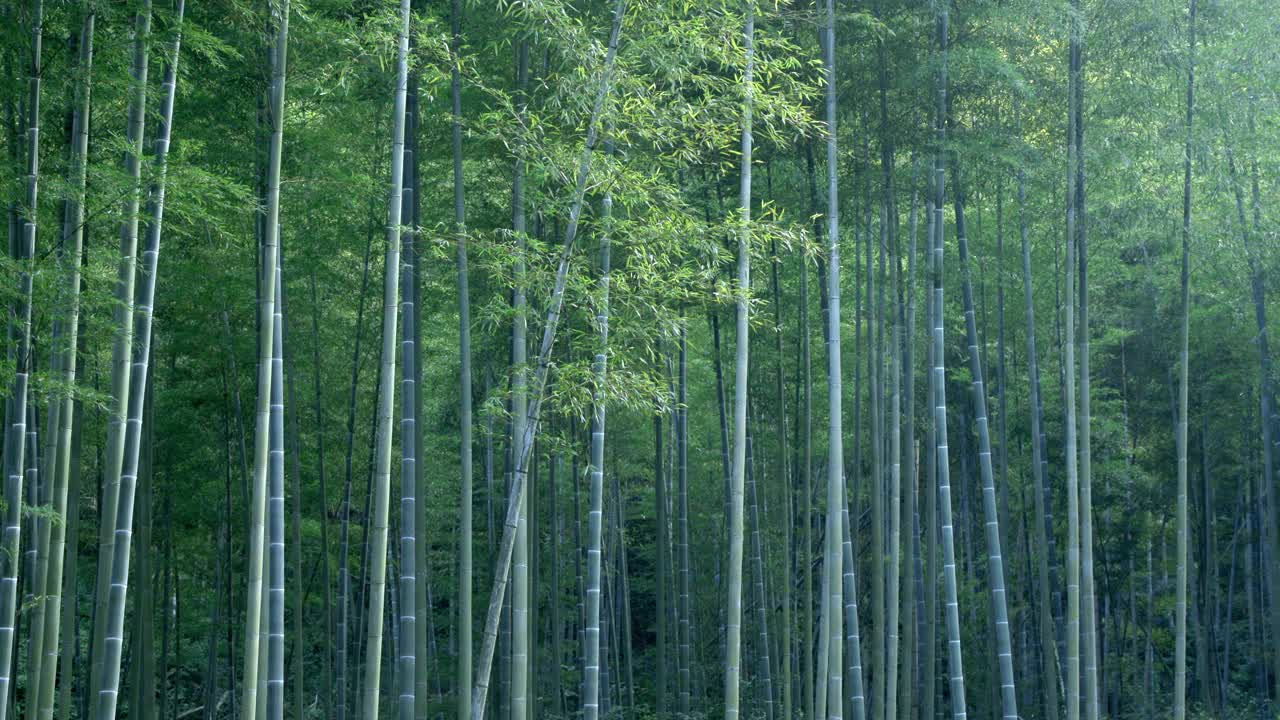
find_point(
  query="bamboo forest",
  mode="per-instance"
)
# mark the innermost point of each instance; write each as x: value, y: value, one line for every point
x: 621, y: 360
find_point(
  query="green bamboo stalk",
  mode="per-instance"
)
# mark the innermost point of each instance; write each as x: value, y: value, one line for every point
x: 465, y: 551
x: 995, y: 557
x: 929, y: 529
x: 894, y: 560
x: 938, y: 388
x: 762, y: 601
x: 143, y: 695
x: 733, y: 621
x: 592, y: 681
x: 386, y: 388
x: 266, y: 331
x: 273, y: 682
x: 623, y: 627
x: 875, y: 375
x: 520, y: 626
x: 685, y: 571
x: 663, y: 572
x: 1072, y: 689
x: 1088, y: 604
x: 73, y: 244
x: 1184, y: 356
x: 144, y: 306
x: 886, y: 699
x: 31, y: 488
x: 484, y: 665
x: 68, y: 581
x: 908, y: 707
x: 424, y: 629
x: 821, y: 689
x: 407, y: 670
x: 852, y: 636
x: 37, y: 554
x: 557, y: 622
x: 122, y: 344
x: 807, y: 683
x: 784, y: 483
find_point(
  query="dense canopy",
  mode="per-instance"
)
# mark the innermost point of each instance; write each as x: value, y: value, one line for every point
x: 883, y: 360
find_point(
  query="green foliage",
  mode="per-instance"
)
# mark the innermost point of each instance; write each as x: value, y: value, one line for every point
x: 674, y: 120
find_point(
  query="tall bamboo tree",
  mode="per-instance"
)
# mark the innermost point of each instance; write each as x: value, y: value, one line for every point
x: 662, y: 576
x: 908, y: 708
x: 995, y: 557
x: 856, y: 691
x: 524, y: 444
x: 143, y: 312
x: 1184, y: 357
x: 386, y: 388
x: 464, y: 389
x: 928, y: 660
x: 784, y: 482
x: 807, y: 684
x: 938, y: 389
x: 592, y: 690
x: 520, y: 627
x: 733, y: 621
x: 1088, y: 631
x: 408, y: 661
x: 274, y: 612
x: 73, y: 250
x: 122, y: 345
x: 266, y: 333
x: 19, y: 328
x: 836, y: 521
x: 1068, y: 371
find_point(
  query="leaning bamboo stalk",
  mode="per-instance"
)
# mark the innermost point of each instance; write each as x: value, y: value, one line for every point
x: 144, y: 307
x: 484, y: 664
x: 122, y: 343
x: 995, y: 558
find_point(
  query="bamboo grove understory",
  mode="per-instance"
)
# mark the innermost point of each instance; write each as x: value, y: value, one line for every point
x: 699, y: 387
